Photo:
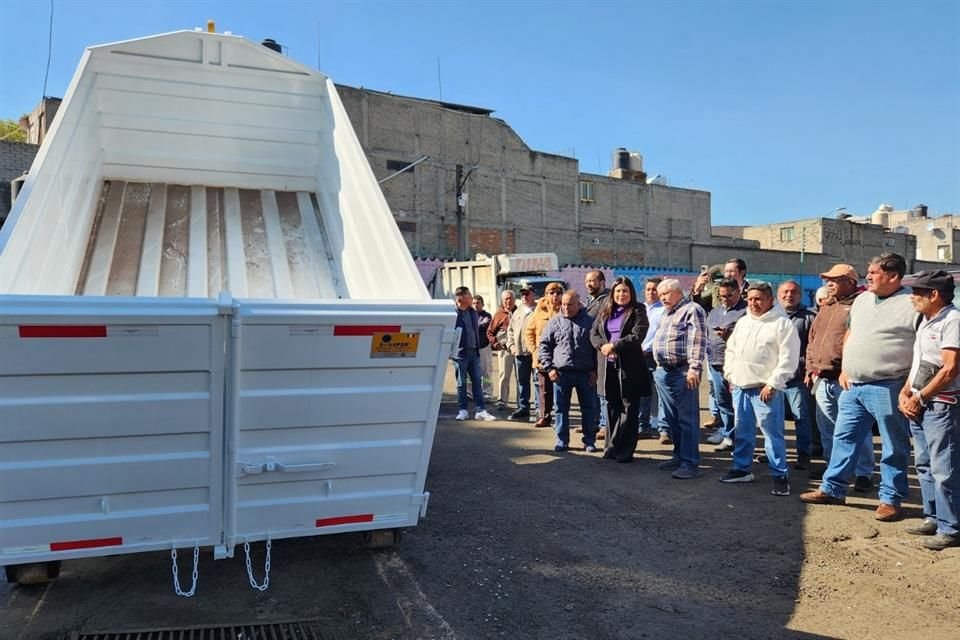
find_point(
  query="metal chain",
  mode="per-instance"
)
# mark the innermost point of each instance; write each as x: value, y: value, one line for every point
x: 266, y: 577
x: 176, y: 572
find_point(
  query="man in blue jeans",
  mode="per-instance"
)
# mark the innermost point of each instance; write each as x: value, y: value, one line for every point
x: 931, y: 400
x: 877, y: 353
x: 679, y: 348
x: 467, y: 362
x: 824, y: 363
x: 570, y: 361
x: 518, y: 347
x: 651, y: 301
x: 762, y: 355
x: 721, y: 320
x: 797, y: 393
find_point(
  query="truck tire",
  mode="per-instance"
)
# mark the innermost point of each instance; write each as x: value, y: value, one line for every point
x: 381, y: 538
x: 34, y: 573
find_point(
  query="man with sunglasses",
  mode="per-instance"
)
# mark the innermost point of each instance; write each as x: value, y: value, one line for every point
x: 931, y: 401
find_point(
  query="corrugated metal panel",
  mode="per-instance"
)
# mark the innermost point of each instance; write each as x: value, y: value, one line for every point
x: 195, y: 241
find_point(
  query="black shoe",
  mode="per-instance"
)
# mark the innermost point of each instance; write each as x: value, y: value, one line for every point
x: 736, y: 475
x: 802, y: 463
x: 501, y: 406
x: 816, y: 474
x: 940, y: 542
x: 781, y: 487
x: 863, y: 484
x: 926, y: 528
x: 519, y: 413
x: 762, y: 459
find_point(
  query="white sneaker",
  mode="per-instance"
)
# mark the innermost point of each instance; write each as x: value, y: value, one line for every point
x: 462, y: 414
x: 715, y: 438
x: 483, y: 415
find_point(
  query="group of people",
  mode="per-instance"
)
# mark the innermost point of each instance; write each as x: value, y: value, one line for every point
x: 884, y: 354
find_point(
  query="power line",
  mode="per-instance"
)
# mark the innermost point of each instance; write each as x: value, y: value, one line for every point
x: 46, y: 74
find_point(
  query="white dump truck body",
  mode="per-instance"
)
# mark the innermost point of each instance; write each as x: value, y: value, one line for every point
x: 211, y: 330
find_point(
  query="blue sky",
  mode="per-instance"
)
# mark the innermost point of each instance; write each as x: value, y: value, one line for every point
x: 780, y: 109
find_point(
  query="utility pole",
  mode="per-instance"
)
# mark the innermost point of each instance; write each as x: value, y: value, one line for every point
x: 459, y: 194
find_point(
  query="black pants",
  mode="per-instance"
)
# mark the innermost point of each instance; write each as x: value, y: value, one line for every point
x: 623, y: 415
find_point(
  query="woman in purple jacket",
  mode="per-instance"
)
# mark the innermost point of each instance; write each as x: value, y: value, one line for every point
x: 622, y: 373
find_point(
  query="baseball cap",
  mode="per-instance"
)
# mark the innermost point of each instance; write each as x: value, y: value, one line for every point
x: 524, y: 290
x: 939, y: 280
x: 841, y: 271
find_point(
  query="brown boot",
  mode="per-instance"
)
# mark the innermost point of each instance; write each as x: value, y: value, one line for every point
x: 819, y: 497
x: 602, y: 434
x: 542, y: 422
x: 887, y: 513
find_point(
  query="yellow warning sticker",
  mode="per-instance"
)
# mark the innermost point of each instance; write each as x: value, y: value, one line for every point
x: 394, y: 345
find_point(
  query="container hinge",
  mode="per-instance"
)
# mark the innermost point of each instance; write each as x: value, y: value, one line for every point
x: 421, y: 500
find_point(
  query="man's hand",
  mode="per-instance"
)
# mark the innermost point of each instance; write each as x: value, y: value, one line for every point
x: 592, y: 378
x: 701, y: 282
x: 807, y: 380
x: 844, y: 381
x: 910, y: 405
x: 766, y: 394
x: 607, y: 349
x: 693, y: 379
x: 514, y: 350
x: 554, y: 375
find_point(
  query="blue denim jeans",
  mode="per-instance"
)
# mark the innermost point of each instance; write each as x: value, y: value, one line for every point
x: 681, y: 412
x: 936, y: 442
x: 469, y: 365
x: 798, y: 399
x: 586, y: 396
x: 859, y: 406
x: 646, y: 403
x: 752, y: 412
x: 720, y: 395
x: 828, y: 404
x: 524, y: 367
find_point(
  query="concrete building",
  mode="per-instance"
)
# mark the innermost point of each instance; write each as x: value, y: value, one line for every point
x: 839, y: 240
x: 938, y: 239
x: 516, y: 198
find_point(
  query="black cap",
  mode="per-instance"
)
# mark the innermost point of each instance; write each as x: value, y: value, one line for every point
x: 939, y: 280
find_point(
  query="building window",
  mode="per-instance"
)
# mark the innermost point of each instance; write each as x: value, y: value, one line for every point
x: 586, y: 191
x: 943, y: 252
x: 786, y: 234
x: 396, y: 165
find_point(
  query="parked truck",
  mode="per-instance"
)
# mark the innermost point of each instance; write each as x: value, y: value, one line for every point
x: 212, y: 331
x: 489, y: 276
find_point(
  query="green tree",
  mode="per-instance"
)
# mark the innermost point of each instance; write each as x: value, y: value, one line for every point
x: 10, y: 130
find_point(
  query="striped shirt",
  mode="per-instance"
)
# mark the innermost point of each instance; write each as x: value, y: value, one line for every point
x: 681, y: 337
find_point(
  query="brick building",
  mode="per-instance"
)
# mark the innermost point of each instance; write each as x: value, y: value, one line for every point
x: 517, y: 199
x: 15, y: 158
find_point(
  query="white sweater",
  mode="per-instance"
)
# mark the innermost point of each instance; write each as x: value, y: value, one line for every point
x: 762, y: 351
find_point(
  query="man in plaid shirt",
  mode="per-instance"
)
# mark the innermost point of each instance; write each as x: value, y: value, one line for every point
x: 679, y: 348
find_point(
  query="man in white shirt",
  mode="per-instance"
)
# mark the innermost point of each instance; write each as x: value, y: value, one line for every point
x: 930, y: 399
x: 762, y: 356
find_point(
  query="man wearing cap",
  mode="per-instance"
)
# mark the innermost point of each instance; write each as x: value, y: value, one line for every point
x: 824, y: 364
x: 497, y: 335
x: 930, y: 399
x: 877, y: 353
x: 518, y: 347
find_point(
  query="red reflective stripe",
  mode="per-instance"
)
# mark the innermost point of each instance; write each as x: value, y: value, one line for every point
x: 329, y: 522
x: 62, y: 331
x: 85, y: 544
x: 364, y: 330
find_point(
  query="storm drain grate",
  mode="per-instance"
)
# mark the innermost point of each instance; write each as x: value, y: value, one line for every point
x: 297, y: 630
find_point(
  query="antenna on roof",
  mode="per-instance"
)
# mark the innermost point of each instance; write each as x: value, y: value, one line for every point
x: 439, y: 79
